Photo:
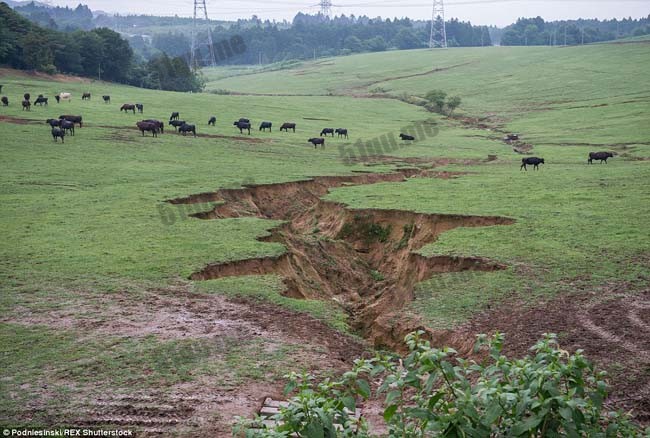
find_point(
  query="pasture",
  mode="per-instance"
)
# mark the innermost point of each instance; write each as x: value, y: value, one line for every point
x: 102, y: 325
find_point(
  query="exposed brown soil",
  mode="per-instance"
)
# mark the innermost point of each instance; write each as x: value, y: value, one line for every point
x: 365, y: 260
x: 611, y: 324
x: 19, y: 121
x: 202, y: 407
x: 45, y: 76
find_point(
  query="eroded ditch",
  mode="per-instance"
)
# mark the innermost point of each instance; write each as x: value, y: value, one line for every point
x: 365, y: 260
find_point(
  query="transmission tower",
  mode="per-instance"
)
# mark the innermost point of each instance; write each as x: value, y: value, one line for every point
x: 199, y: 5
x: 438, y: 37
x: 326, y: 8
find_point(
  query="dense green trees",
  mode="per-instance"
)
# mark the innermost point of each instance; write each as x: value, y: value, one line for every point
x: 98, y: 53
x: 536, y: 31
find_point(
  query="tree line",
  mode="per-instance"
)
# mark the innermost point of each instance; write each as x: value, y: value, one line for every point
x: 537, y: 32
x: 98, y: 53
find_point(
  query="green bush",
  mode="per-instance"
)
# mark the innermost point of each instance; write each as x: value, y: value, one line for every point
x: 431, y: 393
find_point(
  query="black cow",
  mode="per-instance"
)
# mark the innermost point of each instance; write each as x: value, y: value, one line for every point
x: 158, y: 123
x: 67, y: 126
x: 148, y: 126
x: 58, y: 98
x: 185, y: 128
x: 140, y: 107
x: 1, y: 88
x: 127, y: 107
x: 287, y: 126
x: 58, y: 133
x: 175, y: 116
x: 27, y: 105
x: 266, y: 125
x: 406, y: 137
x: 511, y: 137
x: 326, y: 131
x: 73, y: 119
x: 40, y: 100
x: 53, y: 122
x: 107, y: 99
x: 5, y: 101
x: 176, y: 123
x: 244, y: 120
x: 531, y: 161
x: 317, y: 141
x: 27, y: 96
x: 85, y: 96
x: 243, y: 125
x: 602, y: 156
x: 342, y: 132
x: 212, y: 121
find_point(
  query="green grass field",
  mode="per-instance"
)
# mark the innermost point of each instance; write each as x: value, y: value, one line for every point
x: 89, y: 243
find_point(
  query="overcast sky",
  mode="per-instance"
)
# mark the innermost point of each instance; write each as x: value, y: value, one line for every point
x: 498, y: 12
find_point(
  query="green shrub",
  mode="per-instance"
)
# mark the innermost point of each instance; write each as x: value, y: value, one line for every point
x: 431, y: 393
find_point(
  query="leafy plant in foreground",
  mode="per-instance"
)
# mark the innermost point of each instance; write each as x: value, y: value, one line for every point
x: 433, y: 393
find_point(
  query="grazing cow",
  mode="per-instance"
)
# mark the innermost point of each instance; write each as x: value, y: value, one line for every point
x: 185, y: 128
x: 287, y: 126
x: 531, y: 161
x: 67, y: 126
x: 158, y: 123
x: 107, y: 99
x: 212, y: 121
x: 140, y: 107
x: 243, y: 125
x: 53, y: 122
x: 127, y: 107
x: 317, y: 141
x: 602, y: 156
x: 244, y: 120
x: 406, y: 137
x: 40, y: 100
x: 85, y: 96
x: 342, y: 132
x: 148, y: 126
x: 326, y: 131
x: 176, y: 123
x: 175, y: 116
x: 58, y: 133
x: 63, y: 96
x: 73, y: 119
x: 27, y: 96
x: 27, y: 105
x: 266, y: 125
x: 5, y: 101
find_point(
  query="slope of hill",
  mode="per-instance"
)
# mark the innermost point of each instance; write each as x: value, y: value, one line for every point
x: 168, y: 283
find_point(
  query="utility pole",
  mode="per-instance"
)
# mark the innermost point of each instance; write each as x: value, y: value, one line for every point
x: 326, y: 8
x: 438, y: 36
x: 199, y: 5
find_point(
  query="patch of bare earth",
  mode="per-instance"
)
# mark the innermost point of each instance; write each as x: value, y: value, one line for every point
x: 205, y: 406
x: 611, y: 324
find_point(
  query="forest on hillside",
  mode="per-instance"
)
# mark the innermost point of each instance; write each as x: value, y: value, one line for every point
x: 99, y: 53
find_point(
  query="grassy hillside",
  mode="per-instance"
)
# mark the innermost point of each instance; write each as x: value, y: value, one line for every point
x: 94, y: 263
x: 589, y: 94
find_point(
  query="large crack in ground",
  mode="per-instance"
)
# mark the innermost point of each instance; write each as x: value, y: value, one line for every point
x: 365, y: 260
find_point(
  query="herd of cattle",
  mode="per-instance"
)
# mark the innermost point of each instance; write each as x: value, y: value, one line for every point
x: 65, y: 125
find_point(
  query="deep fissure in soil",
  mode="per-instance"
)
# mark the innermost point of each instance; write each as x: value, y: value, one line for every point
x: 366, y: 260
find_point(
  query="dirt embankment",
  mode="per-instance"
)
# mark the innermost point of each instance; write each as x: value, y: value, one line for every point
x: 366, y: 260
